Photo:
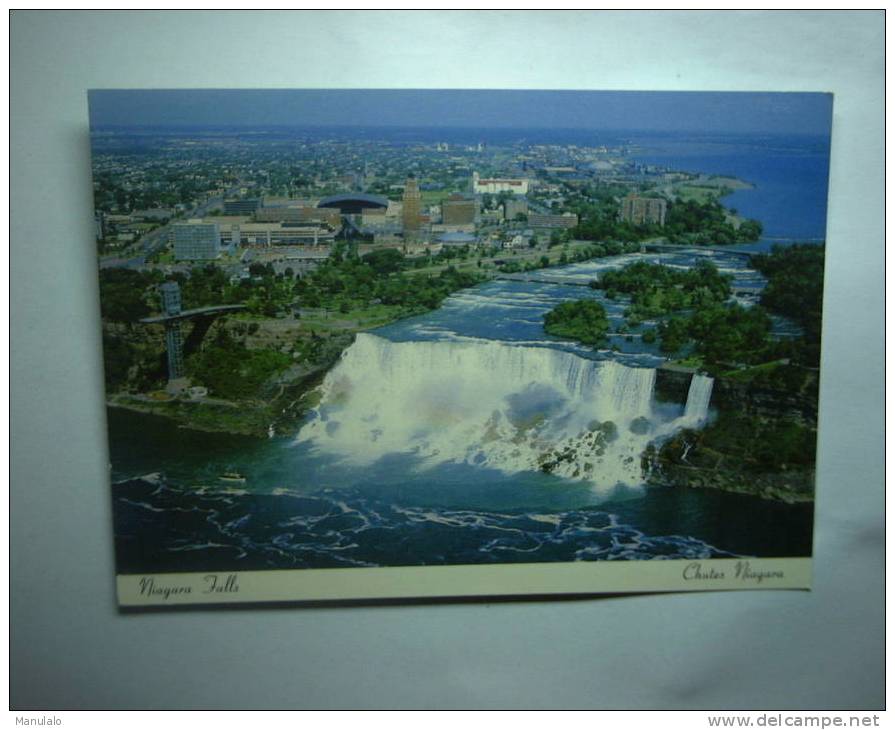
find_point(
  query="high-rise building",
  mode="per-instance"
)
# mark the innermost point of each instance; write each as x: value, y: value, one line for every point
x: 640, y: 211
x: 457, y: 210
x: 411, y: 212
x: 196, y: 240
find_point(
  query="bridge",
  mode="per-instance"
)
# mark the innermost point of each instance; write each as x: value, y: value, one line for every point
x: 172, y: 319
x: 191, y: 313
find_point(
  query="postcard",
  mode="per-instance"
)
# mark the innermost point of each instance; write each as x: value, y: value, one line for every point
x: 395, y: 344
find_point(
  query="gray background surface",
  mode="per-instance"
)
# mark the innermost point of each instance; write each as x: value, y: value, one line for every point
x: 70, y: 648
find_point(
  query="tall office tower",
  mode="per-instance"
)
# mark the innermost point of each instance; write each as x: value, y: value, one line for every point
x: 170, y: 291
x: 411, y: 207
x: 196, y: 240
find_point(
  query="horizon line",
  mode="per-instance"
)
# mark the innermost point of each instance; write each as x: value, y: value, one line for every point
x: 261, y: 125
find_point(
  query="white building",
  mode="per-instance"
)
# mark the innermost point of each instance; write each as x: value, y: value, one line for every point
x: 196, y: 240
x: 494, y: 185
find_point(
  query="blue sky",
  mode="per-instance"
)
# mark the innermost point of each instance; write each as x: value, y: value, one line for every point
x: 736, y: 112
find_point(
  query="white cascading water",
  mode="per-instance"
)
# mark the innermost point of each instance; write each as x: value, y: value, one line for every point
x: 493, y: 405
x: 697, y: 409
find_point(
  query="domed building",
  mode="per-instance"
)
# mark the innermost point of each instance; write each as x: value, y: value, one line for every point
x: 457, y: 238
x: 353, y: 203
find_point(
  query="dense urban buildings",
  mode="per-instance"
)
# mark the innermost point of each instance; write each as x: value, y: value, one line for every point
x: 354, y: 195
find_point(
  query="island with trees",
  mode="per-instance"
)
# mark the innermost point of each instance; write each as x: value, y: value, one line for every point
x: 584, y: 320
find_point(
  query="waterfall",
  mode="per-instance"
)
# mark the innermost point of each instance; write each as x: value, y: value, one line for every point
x: 491, y: 404
x: 700, y: 393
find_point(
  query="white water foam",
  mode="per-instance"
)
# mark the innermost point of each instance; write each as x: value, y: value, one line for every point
x: 492, y: 404
x: 696, y: 411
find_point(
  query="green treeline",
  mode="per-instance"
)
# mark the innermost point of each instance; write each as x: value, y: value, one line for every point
x: 264, y: 292
x: 340, y: 284
x: 698, y: 322
x: 689, y: 221
x: 126, y: 295
x: 346, y: 283
x: 795, y: 277
x: 723, y: 336
x: 656, y: 290
x: 754, y: 444
x: 230, y: 370
x: 720, y: 334
x: 729, y: 335
x: 356, y: 283
x: 686, y: 221
x: 592, y: 251
x: 597, y: 210
x: 584, y: 320
x: 601, y: 249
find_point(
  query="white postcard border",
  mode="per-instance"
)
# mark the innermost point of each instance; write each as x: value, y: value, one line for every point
x: 455, y: 581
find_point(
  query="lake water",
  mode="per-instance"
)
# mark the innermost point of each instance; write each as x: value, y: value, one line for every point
x: 790, y: 175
